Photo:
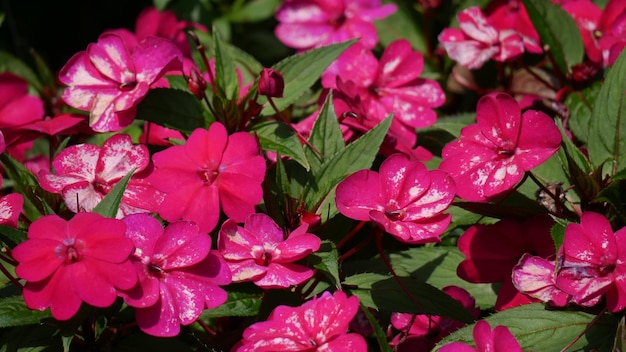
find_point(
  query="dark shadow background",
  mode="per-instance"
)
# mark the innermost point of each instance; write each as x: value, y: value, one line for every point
x: 57, y: 29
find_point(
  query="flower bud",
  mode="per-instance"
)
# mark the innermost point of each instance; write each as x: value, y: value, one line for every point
x: 196, y: 84
x: 271, y: 83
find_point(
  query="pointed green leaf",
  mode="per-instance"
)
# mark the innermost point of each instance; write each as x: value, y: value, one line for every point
x: 557, y: 232
x: 9, y: 63
x: 171, y: 108
x: 326, y: 260
x: 225, y: 74
x: 580, y: 106
x: 380, y: 335
x: 13, y: 312
x: 356, y: 156
x: 608, y: 123
x: 615, y: 195
x: 539, y: 329
x: 405, y: 23
x: 301, y: 71
x: 11, y: 236
x: 280, y: 138
x: 384, y: 293
x: 110, y: 204
x: 254, y: 11
x: 239, y: 304
x: 326, y: 135
x: 559, y: 31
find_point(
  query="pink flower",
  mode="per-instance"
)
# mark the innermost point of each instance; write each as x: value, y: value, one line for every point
x: 86, y: 173
x: 17, y: 107
x: 499, y: 339
x: 178, y: 274
x: 391, y: 85
x: 68, y: 262
x: 422, y: 332
x: 592, y: 262
x: 512, y: 15
x: 318, y: 325
x: 534, y: 276
x: 404, y: 198
x: 306, y: 24
x: 211, y: 171
x: 111, y: 77
x: 493, y: 250
x: 261, y: 252
x: 491, y: 156
x: 478, y: 41
x: 164, y: 24
x: 10, y: 209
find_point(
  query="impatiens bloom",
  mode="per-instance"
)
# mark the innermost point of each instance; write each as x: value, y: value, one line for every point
x: 477, y: 41
x: 534, y: 276
x: 389, y: 86
x: 421, y: 332
x: 17, y: 107
x: 318, y: 325
x: 499, y: 339
x: 306, y: 24
x: 86, y: 173
x: 211, y: 171
x: 178, y: 274
x: 111, y: 77
x: 259, y: 252
x: 404, y: 198
x: 491, y: 156
x: 67, y: 262
x: 493, y: 250
x: 592, y: 262
x: 10, y: 209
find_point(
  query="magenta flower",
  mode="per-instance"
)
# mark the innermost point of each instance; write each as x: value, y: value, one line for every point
x: 10, y: 208
x: 261, y: 252
x: 391, y: 85
x: 499, y: 339
x: 306, y: 24
x: 512, y: 15
x: 211, y: 171
x: 421, y: 332
x: 179, y: 275
x: 318, y: 325
x: 111, y: 77
x: 491, y: 156
x: 404, y: 198
x: 17, y: 107
x: 478, y: 41
x: 592, y: 262
x: 86, y: 173
x: 68, y: 262
x: 535, y: 277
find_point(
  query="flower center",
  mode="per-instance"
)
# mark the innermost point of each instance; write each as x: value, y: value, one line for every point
x: 71, y: 251
x: 155, y: 270
x: 395, y: 215
x: 264, y: 260
x: 128, y: 86
x: 102, y: 187
x: 207, y: 175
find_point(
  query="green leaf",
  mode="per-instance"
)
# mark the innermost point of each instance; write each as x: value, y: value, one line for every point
x: 579, y: 104
x: 608, y: 121
x: 254, y: 11
x: 326, y: 135
x: 110, y: 204
x: 356, y: 156
x: 9, y: 63
x: 301, y: 71
x: 380, y: 335
x: 161, y: 4
x: 538, y: 329
x: 557, y: 232
x: 11, y: 236
x: 559, y: 31
x: 239, y: 304
x: 172, y: 108
x: 326, y: 260
x: 33, y: 338
x: 13, y: 312
x: 445, y: 130
x: 405, y: 23
x: 384, y: 293
x: 615, y: 195
x: 280, y: 138
x: 225, y: 74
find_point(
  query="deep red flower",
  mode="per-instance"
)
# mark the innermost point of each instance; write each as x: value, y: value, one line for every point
x: 317, y: 325
x: 491, y: 156
x: 67, y: 262
x: 212, y: 171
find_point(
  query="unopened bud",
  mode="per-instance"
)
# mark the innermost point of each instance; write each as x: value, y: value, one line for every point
x: 197, y: 84
x: 271, y: 83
